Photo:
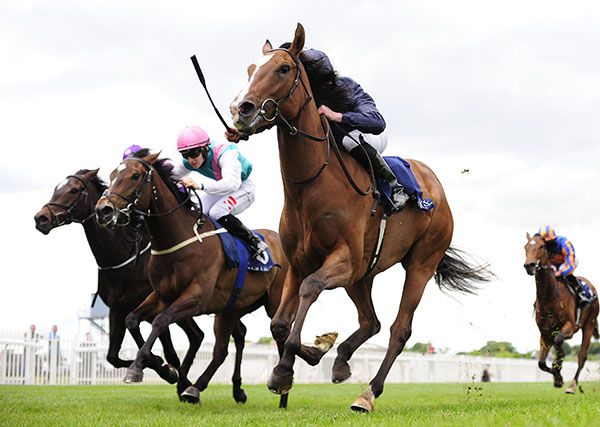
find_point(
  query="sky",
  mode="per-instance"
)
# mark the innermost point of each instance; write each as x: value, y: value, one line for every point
x: 507, y: 89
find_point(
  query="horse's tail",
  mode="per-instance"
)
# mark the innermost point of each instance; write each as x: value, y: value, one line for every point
x: 456, y: 273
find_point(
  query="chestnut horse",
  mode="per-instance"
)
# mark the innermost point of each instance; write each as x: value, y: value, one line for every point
x: 188, y: 269
x: 556, y: 312
x: 123, y: 281
x: 328, y: 232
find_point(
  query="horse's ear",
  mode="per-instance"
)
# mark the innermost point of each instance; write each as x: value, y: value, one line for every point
x: 528, y: 236
x: 151, y: 158
x: 267, y: 47
x: 91, y: 173
x: 298, y: 43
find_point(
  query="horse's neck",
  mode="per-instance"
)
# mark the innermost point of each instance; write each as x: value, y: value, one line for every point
x: 300, y: 157
x: 169, y: 229
x: 546, y: 285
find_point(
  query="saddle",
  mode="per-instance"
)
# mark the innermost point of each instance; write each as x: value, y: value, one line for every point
x: 583, y: 295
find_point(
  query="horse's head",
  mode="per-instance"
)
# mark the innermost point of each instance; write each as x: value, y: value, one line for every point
x: 536, y: 255
x: 69, y: 203
x: 268, y: 97
x: 130, y: 189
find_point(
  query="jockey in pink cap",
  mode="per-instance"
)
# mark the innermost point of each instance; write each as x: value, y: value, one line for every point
x: 230, y: 190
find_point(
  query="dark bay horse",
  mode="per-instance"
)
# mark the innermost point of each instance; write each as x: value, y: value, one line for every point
x: 188, y: 268
x: 556, y: 312
x: 123, y: 281
x: 327, y: 229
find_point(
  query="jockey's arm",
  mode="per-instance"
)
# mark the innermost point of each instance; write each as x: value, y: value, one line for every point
x: 179, y: 171
x: 569, y: 265
x: 231, y: 175
x: 364, y: 115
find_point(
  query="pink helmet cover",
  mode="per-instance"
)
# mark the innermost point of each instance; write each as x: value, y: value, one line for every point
x: 192, y: 137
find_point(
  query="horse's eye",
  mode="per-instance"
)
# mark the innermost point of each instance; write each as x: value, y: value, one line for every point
x: 285, y: 68
x: 74, y: 190
x: 135, y: 176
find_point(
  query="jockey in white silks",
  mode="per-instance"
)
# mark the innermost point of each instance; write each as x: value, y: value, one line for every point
x: 230, y: 192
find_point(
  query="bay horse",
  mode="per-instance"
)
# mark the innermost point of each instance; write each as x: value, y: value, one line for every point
x: 123, y: 281
x: 327, y: 230
x: 556, y: 312
x: 189, y: 276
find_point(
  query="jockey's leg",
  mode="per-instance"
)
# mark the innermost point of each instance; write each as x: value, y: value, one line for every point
x: 237, y: 202
x: 576, y: 286
x: 367, y: 154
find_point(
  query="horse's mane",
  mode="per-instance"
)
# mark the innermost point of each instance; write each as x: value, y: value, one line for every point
x: 164, y: 168
x: 97, y: 182
x: 327, y: 88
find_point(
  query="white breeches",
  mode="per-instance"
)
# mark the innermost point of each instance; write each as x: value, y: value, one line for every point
x: 378, y: 142
x: 217, y: 205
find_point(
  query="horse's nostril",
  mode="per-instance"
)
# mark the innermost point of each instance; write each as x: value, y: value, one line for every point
x: 245, y: 108
x: 41, y: 220
x: 104, y: 211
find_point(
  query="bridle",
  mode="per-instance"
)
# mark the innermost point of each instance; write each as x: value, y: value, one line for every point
x: 131, y: 207
x: 67, y: 216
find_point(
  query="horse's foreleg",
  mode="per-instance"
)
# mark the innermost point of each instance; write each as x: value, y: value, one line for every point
x: 169, y: 350
x: 335, y: 271
x: 186, y: 305
x: 368, y: 325
x: 116, y: 330
x: 566, y: 332
x: 587, y: 332
x: 544, y: 348
x: 195, y: 337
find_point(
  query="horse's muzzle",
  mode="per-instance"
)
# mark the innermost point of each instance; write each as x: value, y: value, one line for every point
x: 105, y: 214
x: 42, y: 223
x: 530, y: 268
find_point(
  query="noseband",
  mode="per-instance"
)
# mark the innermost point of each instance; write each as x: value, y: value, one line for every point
x: 67, y: 216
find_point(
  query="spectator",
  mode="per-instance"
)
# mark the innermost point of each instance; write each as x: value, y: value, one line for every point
x: 53, y: 350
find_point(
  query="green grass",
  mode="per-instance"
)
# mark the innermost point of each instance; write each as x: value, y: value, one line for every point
x: 318, y: 405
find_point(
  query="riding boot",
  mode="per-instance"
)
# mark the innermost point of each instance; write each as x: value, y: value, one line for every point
x: 235, y: 227
x: 381, y: 170
x: 576, y: 286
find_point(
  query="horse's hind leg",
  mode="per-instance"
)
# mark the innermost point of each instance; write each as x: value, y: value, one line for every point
x: 587, y: 332
x: 222, y: 327
x: 369, y: 325
x: 169, y: 350
x: 417, y: 276
x: 239, y: 338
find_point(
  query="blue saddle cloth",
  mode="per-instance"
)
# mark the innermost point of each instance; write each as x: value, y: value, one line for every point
x: 406, y: 178
x: 589, y: 295
x: 237, y: 255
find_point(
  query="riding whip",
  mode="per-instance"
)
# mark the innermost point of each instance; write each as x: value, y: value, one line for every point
x: 203, y: 82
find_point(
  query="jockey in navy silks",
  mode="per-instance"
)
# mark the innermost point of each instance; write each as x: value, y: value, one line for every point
x: 356, y: 114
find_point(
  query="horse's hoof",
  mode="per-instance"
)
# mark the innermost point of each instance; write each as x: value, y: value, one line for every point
x: 240, y: 396
x: 558, y: 384
x: 280, y: 384
x: 133, y: 375
x: 325, y: 342
x: 364, y: 402
x: 190, y: 395
x: 340, y: 373
x: 570, y: 390
x: 173, y: 375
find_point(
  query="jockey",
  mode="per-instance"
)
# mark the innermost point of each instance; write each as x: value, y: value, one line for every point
x: 358, y: 117
x: 562, y: 256
x: 231, y: 192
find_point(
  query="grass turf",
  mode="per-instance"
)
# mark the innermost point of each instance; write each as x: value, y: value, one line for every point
x: 318, y: 405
